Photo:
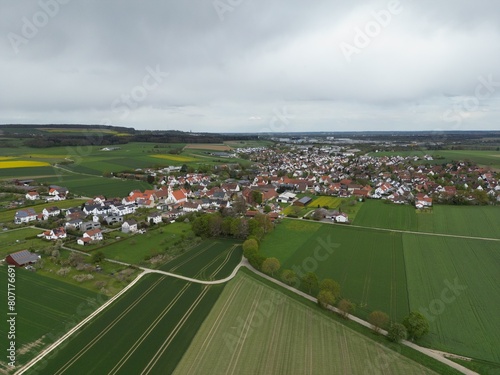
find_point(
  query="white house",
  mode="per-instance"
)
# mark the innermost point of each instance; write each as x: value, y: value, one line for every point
x: 129, y: 226
x: 155, y: 218
x: 32, y: 196
x: 25, y: 216
x: 341, y: 218
x: 89, y: 236
x: 191, y: 206
x: 50, y: 212
x: 177, y: 196
x: 55, y: 234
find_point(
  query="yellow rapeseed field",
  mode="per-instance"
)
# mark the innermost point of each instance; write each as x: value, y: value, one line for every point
x: 22, y: 164
x: 179, y: 158
x: 7, y: 157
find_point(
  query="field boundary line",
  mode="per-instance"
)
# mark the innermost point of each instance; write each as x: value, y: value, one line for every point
x: 429, y: 352
x: 46, y: 351
x: 405, y: 231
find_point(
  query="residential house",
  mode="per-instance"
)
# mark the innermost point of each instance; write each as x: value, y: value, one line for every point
x: 191, y: 206
x: 154, y: 218
x: 74, y: 224
x: 50, y: 212
x: 24, y: 216
x: 32, y: 195
x: 55, y: 234
x: 129, y: 226
x: 90, y: 236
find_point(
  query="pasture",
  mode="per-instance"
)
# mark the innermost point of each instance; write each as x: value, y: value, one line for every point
x: 463, y: 319
x: 20, y: 239
x: 46, y: 309
x: 149, y: 328
x: 134, y: 249
x: 369, y: 265
x: 475, y: 221
x: 254, y: 328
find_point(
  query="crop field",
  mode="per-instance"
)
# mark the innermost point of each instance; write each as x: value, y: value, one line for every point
x: 255, y: 329
x: 463, y: 318
x: 210, y: 257
x: 135, y: 248
x: 22, y: 164
x: 208, y: 146
x: 330, y: 202
x: 485, y: 158
x: 369, y: 265
x: 91, y: 186
x: 8, y: 215
x: 46, y: 309
x: 474, y: 221
x: 149, y: 328
x: 176, y: 158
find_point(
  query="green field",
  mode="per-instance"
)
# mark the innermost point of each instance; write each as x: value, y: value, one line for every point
x: 91, y: 186
x: 46, y: 309
x: 401, y: 272
x: 255, y: 329
x: 369, y: 265
x: 135, y: 249
x: 149, y: 329
x: 485, y: 158
x: 20, y: 239
x: 474, y: 221
x: 211, y: 257
x: 463, y: 320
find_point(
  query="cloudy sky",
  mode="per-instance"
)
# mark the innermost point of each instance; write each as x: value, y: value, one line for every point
x: 252, y: 65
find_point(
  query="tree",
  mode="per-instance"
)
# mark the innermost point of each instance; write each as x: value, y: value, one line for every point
x: 325, y: 298
x: 250, y: 247
x: 256, y: 196
x: 396, y: 332
x: 416, y: 325
x: 310, y: 281
x: 74, y: 259
x: 289, y: 277
x: 346, y: 307
x: 270, y: 266
x: 97, y: 257
x: 378, y: 320
x: 332, y: 286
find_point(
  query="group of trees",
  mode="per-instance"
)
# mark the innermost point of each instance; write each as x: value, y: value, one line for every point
x: 413, y: 327
x: 257, y: 260
x: 217, y: 224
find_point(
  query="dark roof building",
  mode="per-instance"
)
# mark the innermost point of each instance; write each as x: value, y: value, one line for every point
x: 22, y: 258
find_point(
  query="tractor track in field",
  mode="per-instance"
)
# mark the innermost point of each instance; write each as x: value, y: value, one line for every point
x: 439, y: 356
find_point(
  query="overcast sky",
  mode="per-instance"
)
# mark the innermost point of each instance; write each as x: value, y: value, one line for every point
x: 252, y: 65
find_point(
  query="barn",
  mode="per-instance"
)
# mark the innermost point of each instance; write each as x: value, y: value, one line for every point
x: 22, y: 258
x: 304, y: 201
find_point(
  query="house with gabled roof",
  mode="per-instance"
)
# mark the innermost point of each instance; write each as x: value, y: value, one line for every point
x: 24, y: 216
x: 32, y: 195
x: 90, y: 236
x: 22, y: 258
x: 129, y: 226
x: 55, y: 234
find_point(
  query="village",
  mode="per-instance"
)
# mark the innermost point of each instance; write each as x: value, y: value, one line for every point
x: 282, y: 177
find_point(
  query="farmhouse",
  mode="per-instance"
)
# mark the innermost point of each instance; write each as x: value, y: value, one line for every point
x: 25, y: 216
x: 22, y: 258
